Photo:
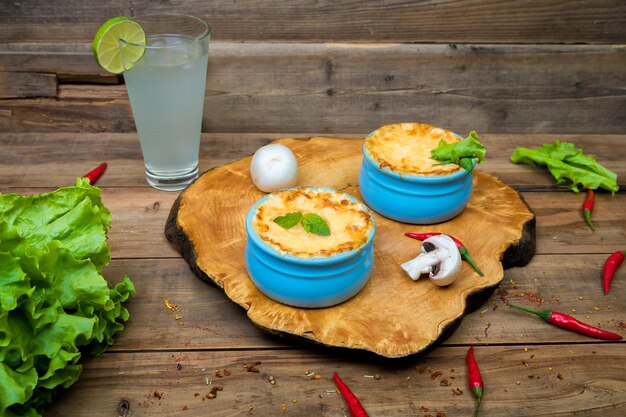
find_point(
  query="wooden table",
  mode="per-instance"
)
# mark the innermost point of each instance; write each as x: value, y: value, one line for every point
x: 161, y: 366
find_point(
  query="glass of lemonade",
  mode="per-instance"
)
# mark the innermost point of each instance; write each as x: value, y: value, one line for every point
x: 166, y: 91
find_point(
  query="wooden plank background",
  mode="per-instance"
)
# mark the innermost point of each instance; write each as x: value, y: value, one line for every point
x: 566, y: 381
x: 501, y: 21
x: 522, y: 72
x: 20, y: 166
x: 503, y: 67
x: 332, y: 67
x: 160, y: 366
x: 141, y: 250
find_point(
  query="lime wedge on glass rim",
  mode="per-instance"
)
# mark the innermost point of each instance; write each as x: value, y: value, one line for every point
x: 110, y: 52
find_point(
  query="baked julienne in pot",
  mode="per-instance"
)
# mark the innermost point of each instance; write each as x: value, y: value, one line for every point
x: 401, y: 179
x: 294, y: 266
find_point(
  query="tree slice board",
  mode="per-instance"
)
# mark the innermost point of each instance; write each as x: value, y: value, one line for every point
x: 392, y: 316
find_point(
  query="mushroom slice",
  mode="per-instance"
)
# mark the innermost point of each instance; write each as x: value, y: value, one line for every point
x: 440, y: 259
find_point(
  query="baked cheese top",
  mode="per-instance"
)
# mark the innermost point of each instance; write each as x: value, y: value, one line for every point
x: 350, y: 223
x: 405, y: 148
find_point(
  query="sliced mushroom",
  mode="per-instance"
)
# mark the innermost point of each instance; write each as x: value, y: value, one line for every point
x: 440, y: 259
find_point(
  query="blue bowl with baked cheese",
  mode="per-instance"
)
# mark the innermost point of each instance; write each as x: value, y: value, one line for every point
x: 400, y: 181
x: 300, y: 268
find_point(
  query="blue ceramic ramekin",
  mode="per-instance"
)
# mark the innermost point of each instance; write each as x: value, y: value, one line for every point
x: 415, y: 199
x: 307, y: 282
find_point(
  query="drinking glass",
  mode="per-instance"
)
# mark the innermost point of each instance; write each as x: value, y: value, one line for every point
x: 166, y: 91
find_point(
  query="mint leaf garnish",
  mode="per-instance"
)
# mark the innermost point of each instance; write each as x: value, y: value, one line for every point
x: 289, y: 220
x: 311, y: 222
x: 314, y: 223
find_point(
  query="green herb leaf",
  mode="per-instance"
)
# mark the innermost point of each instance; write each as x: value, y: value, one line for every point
x: 314, y: 223
x: 462, y: 153
x: 467, y: 164
x: 289, y: 220
x: 568, y: 165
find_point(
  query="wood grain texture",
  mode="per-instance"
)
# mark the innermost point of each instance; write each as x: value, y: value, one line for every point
x: 532, y: 21
x: 217, y: 335
x: 322, y: 67
x: 559, y: 223
x: 38, y: 159
x: 206, y: 226
x: 35, y: 163
x: 559, y: 381
x: 139, y: 215
x: 27, y: 85
x: 211, y: 321
x: 267, y: 87
x: 95, y: 108
x: 23, y: 166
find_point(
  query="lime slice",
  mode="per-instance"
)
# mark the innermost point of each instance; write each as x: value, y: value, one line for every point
x: 113, y: 55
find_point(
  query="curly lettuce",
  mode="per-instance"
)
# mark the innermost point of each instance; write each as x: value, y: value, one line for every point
x: 569, y: 166
x: 466, y: 153
x: 55, y: 305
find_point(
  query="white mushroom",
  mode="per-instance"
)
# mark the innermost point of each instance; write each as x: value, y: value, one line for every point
x: 274, y: 167
x: 440, y: 259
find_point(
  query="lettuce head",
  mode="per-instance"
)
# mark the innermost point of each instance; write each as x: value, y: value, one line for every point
x: 55, y: 304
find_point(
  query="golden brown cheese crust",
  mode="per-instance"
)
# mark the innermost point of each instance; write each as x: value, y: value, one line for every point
x: 405, y: 148
x: 350, y: 223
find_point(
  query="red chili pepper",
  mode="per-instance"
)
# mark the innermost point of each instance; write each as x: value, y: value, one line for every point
x: 610, y: 266
x: 588, y: 207
x: 474, y: 378
x: 570, y: 323
x: 355, y: 407
x: 462, y: 249
x: 95, y: 173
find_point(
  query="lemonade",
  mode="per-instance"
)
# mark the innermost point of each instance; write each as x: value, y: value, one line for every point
x: 164, y: 61
x: 166, y: 91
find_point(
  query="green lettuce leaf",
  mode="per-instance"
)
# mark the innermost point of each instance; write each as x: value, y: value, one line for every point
x: 569, y: 166
x: 465, y: 153
x: 75, y: 216
x: 54, y: 303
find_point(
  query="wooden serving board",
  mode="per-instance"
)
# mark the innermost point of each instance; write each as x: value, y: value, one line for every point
x: 392, y: 316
